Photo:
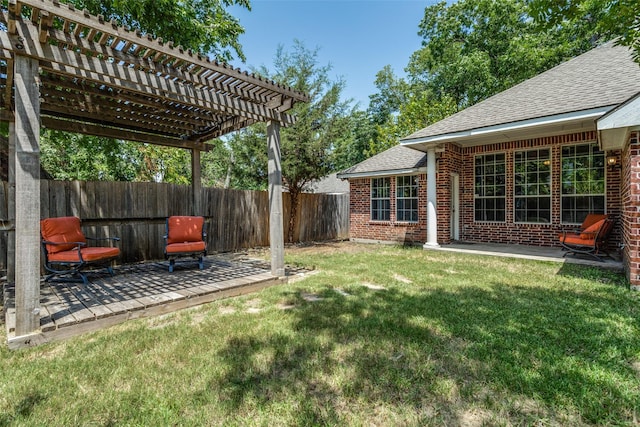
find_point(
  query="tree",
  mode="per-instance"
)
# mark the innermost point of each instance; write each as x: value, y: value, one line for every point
x: 473, y: 49
x: 354, y: 146
x: 67, y: 156
x: 307, y: 146
x: 612, y: 18
x: 205, y: 26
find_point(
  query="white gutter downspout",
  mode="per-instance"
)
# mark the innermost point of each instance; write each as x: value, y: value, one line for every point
x: 432, y: 218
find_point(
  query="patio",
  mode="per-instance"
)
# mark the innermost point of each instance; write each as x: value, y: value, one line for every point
x: 139, y: 290
x: 539, y: 253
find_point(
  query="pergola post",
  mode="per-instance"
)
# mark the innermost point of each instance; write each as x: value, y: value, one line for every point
x: 432, y: 200
x: 196, y: 182
x: 276, y: 227
x: 11, y: 235
x: 27, y: 195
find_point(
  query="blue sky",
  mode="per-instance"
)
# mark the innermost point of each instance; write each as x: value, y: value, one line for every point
x: 357, y: 37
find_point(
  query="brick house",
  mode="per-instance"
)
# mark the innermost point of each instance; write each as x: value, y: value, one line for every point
x: 518, y: 167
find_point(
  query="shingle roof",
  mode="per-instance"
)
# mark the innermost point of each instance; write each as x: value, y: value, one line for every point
x: 604, y: 76
x: 395, y: 159
x: 329, y: 184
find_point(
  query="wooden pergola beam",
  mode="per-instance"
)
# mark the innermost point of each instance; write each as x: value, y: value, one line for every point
x: 68, y: 13
x: 131, y: 135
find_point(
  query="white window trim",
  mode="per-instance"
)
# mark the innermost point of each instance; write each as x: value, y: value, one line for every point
x: 475, y: 197
x: 371, y: 198
x: 606, y: 185
x: 417, y: 198
x: 513, y: 179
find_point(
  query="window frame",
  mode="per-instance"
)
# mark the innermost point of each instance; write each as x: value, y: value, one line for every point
x: 526, y: 184
x: 592, y: 196
x: 484, y: 186
x: 414, y: 187
x: 384, y: 209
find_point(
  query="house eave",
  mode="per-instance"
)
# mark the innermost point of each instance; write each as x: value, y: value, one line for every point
x: 565, y: 123
x: 615, y: 127
x: 374, y: 174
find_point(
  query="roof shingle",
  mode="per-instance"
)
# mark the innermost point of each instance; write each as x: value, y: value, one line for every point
x: 397, y: 158
x: 603, y: 76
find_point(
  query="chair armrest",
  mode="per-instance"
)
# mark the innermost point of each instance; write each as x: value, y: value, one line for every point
x: 78, y: 244
x: 115, y: 239
x: 96, y: 239
x: 572, y: 230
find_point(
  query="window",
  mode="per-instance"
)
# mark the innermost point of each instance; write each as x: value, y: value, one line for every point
x: 583, y: 186
x: 380, y: 199
x: 490, y: 193
x: 407, y: 198
x: 532, y: 186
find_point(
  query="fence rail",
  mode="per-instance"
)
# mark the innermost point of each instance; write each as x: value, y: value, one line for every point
x: 136, y: 212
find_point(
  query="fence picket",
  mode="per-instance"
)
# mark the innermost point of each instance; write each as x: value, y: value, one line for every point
x: 136, y: 212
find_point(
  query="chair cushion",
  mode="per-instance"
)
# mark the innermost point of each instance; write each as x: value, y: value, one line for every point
x: 185, y: 247
x: 591, y: 219
x: 590, y: 231
x: 61, y: 230
x: 184, y: 229
x: 576, y: 240
x: 88, y: 254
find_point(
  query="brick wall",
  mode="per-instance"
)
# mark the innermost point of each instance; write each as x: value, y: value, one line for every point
x: 630, y: 218
x: 528, y: 234
x: 362, y: 227
x: 457, y: 160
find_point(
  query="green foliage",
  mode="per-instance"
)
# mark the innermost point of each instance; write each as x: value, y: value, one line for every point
x: 419, y: 111
x: 67, y: 156
x: 473, y: 49
x: 164, y: 164
x: 204, y: 26
x: 612, y: 18
x: 353, y: 147
x: 307, y: 147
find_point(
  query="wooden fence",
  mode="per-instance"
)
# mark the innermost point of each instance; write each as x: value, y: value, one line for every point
x: 136, y: 212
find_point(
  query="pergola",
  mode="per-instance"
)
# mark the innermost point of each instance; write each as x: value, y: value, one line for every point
x: 65, y: 69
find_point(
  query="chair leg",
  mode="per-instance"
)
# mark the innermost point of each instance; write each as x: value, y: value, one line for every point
x: 171, y: 265
x: 201, y: 262
x: 83, y: 276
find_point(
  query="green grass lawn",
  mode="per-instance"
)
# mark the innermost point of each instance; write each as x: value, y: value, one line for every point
x: 377, y: 335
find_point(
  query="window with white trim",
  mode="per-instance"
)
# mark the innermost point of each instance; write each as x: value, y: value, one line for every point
x: 490, y: 187
x: 583, y: 182
x: 532, y: 186
x: 407, y: 198
x: 380, y: 199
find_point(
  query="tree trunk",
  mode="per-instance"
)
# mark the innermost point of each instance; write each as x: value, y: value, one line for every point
x: 293, y: 211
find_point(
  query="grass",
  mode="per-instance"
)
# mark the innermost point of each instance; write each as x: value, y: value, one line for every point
x: 377, y: 336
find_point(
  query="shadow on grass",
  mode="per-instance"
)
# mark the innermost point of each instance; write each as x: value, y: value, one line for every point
x: 23, y: 409
x: 524, y: 353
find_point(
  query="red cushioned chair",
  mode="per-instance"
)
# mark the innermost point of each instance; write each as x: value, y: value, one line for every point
x: 185, y: 237
x: 591, y: 238
x: 66, y: 251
